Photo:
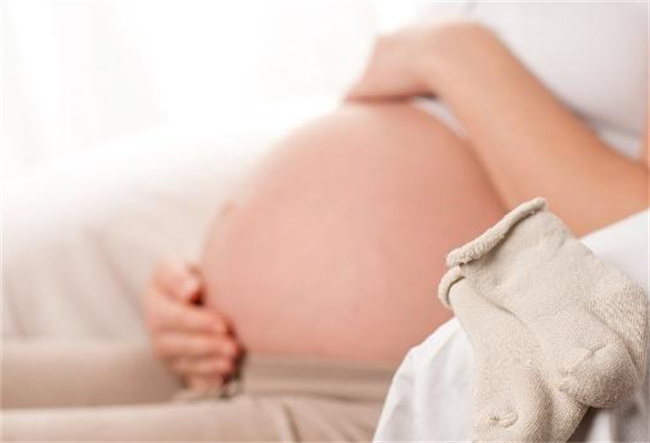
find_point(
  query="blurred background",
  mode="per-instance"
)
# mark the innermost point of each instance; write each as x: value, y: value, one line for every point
x: 126, y: 124
x: 78, y: 75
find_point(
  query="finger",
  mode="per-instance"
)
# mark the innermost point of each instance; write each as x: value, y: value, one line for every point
x: 194, y: 267
x: 198, y: 296
x: 187, y: 318
x: 175, y: 345
x: 360, y: 94
x: 177, y: 279
x: 210, y: 367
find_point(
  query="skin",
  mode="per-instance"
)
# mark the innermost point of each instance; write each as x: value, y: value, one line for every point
x: 335, y: 245
x: 539, y: 146
x: 340, y: 223
x: 198, y: 344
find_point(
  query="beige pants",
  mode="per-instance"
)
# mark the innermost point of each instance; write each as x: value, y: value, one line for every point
x: 116, y: 392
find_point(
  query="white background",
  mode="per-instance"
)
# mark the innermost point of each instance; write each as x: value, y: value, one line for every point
x: 78, y: 74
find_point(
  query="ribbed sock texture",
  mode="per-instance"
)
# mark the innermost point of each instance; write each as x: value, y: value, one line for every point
x: 590, y: 319
x: 516, y: 398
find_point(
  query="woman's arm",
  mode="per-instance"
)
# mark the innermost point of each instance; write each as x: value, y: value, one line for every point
x: 646, y: 154
x: 529, y: 143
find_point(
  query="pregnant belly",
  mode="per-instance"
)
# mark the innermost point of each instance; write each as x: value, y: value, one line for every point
x: 334, y: 250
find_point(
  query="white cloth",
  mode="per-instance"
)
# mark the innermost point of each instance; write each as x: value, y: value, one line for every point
x: 592, y: 55
x: 431, y: 395
x: 81, y: 235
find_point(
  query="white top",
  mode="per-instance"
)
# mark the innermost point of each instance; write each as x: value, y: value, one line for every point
x: 592, y: 55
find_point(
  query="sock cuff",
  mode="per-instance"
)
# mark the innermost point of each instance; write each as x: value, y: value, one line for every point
x: 446, y: 282
x: 484, y: 243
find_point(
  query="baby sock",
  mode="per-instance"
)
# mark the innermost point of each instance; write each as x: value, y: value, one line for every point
x: 589, y: 318
x: 515, y: 396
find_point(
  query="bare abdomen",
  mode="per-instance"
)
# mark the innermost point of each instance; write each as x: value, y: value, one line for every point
x: 335, y: 245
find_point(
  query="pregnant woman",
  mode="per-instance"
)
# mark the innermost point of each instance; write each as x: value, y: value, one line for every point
x: 320, y: 272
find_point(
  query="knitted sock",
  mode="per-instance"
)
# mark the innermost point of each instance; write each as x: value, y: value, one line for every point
x: 515, y: 396
x: 589, y: 318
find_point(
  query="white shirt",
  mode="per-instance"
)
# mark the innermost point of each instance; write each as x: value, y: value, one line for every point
x: 592, y: 55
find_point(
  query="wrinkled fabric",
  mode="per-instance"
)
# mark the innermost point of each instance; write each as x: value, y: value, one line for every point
x: 431, y: 395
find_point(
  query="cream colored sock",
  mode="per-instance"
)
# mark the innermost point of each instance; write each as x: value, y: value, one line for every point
x: 515, y: 396
x: 589, y: 318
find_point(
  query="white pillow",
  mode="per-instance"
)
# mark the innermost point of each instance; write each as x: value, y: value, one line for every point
x: 431, y: 395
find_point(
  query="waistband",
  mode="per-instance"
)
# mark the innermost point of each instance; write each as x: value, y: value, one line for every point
x: 262, y: 375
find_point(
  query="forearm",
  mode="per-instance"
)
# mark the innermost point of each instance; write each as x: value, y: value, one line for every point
x: 530, y: 144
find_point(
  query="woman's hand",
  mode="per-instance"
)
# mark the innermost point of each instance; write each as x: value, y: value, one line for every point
x: 404, y: 64
x: 197, y: 344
